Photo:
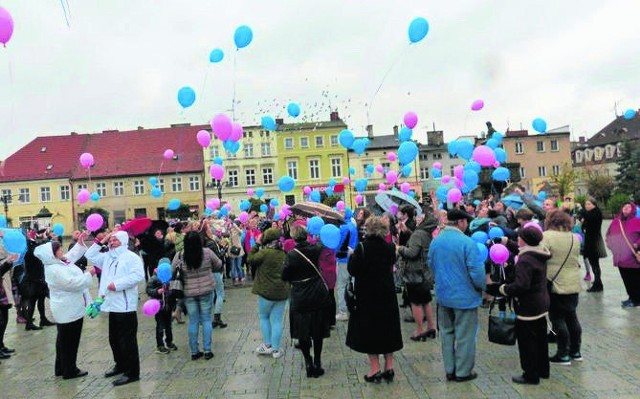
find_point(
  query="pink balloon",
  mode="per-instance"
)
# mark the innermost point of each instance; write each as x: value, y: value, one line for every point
x: 228, y: 206
x: 496, y: 164
x: 340, y: 205
x: 236, y: 132
x: 446, y: 179
x: 410, y: 119
x: 484, y: 155
x: 151, y: 307
x: 392, y: 176
x: 168, y: 154
x: 282, y: 215
x: 243, y: 217
x: 454, y: 195
x: 458, y: 182
x: 534, y: 225
x: 306, y: 190
x: 437, y: 165
x: 359, y: 199
x: 382, y: 186
x: 405, y: 187
x: 392, y: 157
x: 94, y: 221
x: 346, y: 180
x: 86, y: 160
x: 222, y: 126
x: 216, y: 171
x: 393, y: 208
x: 250, y: 192
x: 6, y: 26
x: 380, y: 169
x: 213, y: 203
x: 498, y: 253
x: 477, y: 105
x: 458, y: 171
x: 83, y: 196
x: 204, y: 138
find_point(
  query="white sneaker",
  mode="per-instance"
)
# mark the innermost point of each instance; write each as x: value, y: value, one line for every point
x: 277, y: 354
x: 264, y: 350
x: 342, y: 316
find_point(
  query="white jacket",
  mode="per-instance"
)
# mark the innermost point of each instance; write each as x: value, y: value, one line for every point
x: 68, y: 285
x: 121, y: 267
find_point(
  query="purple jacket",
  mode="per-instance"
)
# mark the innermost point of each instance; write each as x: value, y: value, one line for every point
x: 622, y: 254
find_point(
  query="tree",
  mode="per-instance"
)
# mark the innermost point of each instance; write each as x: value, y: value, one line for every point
x: 182, y: 213
x: 616, y: 201
x: 600, y: 187
x: 330, y: 200
x: 564, y: 180
x: 255, y: 204
x: 628, y: 178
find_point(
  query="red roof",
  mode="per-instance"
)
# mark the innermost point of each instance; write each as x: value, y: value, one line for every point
x: 127, y: 153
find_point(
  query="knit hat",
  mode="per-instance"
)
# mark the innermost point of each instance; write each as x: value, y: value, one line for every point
x: 530, y: 235
x: 270, y: 234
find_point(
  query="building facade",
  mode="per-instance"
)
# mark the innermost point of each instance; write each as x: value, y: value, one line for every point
x: 435, y: 151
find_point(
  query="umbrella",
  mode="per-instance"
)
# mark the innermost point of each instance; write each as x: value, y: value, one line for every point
x: 310, y: 209
x: 136, y: 226
x: 513, y: 201
x: 388, y: 198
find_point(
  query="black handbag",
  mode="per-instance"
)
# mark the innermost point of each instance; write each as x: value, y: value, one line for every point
x: 350, y: 296
x: 176, y: 285
x: 235, y: 251
x: 502, y: 330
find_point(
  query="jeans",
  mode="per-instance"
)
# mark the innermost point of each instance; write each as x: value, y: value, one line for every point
x: 199, y: 309
x: 236, y: 268
x: 562, y: 313
x: 341, y: 283
x: 219, y: 293
x: 271, y: 314
x: 458, y: 335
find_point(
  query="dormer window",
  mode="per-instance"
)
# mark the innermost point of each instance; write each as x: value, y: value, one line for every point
x: 49, y: 167
x: 43, y: 149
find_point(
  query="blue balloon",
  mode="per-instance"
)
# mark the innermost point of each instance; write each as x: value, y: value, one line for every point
x: 315, y: 196
x: 465, y: 149
x: 501, y: 174
x: 492, y: 143
x: 361, y: 185
x: 259, y: 192
x: 330, y: 236
x: 164, y: 273
x: 274, y: 202
x: 418, y: 29
x: 369, y: 168
x: 452, y: 147
x: 329, y: 191
x: 441, y: 193
x: 407, y: 152
x: 14, y: 242
x: 224, y: 211
x: 406, y: 170
x: 216, y: 55
x: 483, y: 252
x: 231, y: 146
x: 405, y: 134
x: 436, y: 173
x: 243, y: 36
x: 352, y: 170
x: 539, y: 125
x: 346, y: 138
x: 174, y: 204
x: 208, y: 211
x: 286, y: 184
x: 473, y: 165
x: 245, y: 205
x: 348, y: 213
x: 480, y: 236
x: 276, y: 217
x: 217, y: 160
x: 186, y: 97
x: 58, y: 229
x: 268, y: 123
x: 412, y: 193
x: 153, y: 181
x: 293, y: 109
x: 470, y: 178
x: 314, y: 224
x: 156, y: 192
x: 264, y: 208
x: 629, y: 114
x: 496, y: 232
x: 638, y: 212
x: 476, y: 203
x: 501, y: 155
x: 95, y: 197
x: 332, y: 183
x: 542, y: 195
x: 498, y: 136
x: 3, y: 221
x: 359, y: 146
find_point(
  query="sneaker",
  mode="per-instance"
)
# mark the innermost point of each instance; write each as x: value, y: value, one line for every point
x: 560, y: 360
x: 263, y: 349
x: 576, y: 356
x: 342, y: 316
x: 630, y: 304
x: 162, y: 349
x: 173, y: 347
x: 587, y: 277
x: 277, y: 354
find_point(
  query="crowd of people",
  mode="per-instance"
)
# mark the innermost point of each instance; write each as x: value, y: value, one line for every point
x: 428, y: 254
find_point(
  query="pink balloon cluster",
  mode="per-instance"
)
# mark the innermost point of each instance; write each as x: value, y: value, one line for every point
x: 222, y: 126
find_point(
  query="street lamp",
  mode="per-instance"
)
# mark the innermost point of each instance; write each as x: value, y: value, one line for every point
x: 5, y: 199
x: 218, y: 184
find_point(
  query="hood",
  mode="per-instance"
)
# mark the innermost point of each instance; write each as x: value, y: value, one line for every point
x: 44, y: 252
x: 537, y: 251
x: 634, y: 211
x: 271, y: 234
x: 123, y: 237
x: 428, y: 225
x: 478, y: 223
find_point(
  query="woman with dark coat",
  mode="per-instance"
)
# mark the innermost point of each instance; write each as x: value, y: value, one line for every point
x: 374, y: 327
x: 309, y: 323
x: 593, y: 242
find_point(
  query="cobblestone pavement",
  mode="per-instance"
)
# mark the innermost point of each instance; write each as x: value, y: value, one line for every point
x: 611, y: 366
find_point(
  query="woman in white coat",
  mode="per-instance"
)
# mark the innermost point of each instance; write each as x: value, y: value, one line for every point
x: 69, y: 296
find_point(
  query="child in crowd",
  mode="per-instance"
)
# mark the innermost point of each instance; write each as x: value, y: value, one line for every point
x: 157, y: 290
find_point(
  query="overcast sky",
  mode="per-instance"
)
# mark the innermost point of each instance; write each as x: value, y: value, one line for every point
x: 119, y: 63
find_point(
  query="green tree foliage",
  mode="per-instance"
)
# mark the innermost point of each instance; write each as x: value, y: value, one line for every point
x: 255, y: 204
x: 182, y: 213
x: 330, y: 200
x: 628, y: 177
x: 614, y: 205
x: 564, y: 180
x: 600, y: 187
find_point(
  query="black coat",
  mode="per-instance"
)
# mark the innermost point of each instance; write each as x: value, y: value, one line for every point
x: 592, y: 228
x: 374, y: 328
x: 296, y: 268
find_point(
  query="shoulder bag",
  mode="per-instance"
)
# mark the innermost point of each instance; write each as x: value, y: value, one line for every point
x: 313, y: 292
x: 635, y: 252
x: 502, y: 329
x: 350, y: 291
x: 550, y: 282
x: 176, y: 285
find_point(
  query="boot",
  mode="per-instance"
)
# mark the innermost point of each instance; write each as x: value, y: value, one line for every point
x: 217, y: 321
x: 308, y: 363
x: 31, y: 326
x: 317, y: 368
x: 44, y: 322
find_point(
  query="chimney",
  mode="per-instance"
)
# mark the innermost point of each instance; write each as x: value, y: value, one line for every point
x: 334, y: 117
x: 435, y: 138
x: 370, y: 132
x: 175, y: 125
x: 110, y: 131
x: 582, y: 140
x: 140, y: 128
x: 395, y: 131
x: 74, y: 133
x: 279, y: 121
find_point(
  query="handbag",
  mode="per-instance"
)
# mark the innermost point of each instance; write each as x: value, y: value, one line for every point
x: 350, y: 292
x: 313, y: 291
x: 635, y: 252
x: 502, y: 330
x: 176, y: 285
x: 550, y: 282
x: 234, y: 250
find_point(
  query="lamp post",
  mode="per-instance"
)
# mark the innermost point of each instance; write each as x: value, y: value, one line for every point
x: 218, y: 184
x: 5, y: 199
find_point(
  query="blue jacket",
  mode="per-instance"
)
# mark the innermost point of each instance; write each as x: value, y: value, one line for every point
x: 458, y: 270
x: 353, y: 238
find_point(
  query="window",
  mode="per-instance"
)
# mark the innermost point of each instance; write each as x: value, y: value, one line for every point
x: 554, y: 145
x: 6, y: 192
x: 119, y: 216
x: 292, y: 169
x: 334, y: 140
x: 288, y: 143
x: 45, y: 194
x: 438, y: 156
x: 82, y: 187
x: 365, y: 172
x: 522, y: 173
x: 250, y: 177
x: 267, y: 176
x: 314, y: 169
x: 248, y: 150
x: 231, y: 156
x: 118, y: 188
x: 319, y: 141
x: 138, y: 187
x: 194, y: 183
x: 451, y: 170
x: 336, y: 167
x: 176, y: 184
x: 24, y: 196
x: 386, y: 166
x: 65, y: 193
x: 161, y: 185
x: 233, y: 177
x: 578, y: 156
x: 140, y: 212
x: 101, y: 189
x: 214, y: 151
x: 450, y: 156
x: 542, y: 171
x: 424, y: 173
x: 519, y: 149
x: 304, y: 142
x: 555, y: 169
x: 265, y: 149
x: 423, y: 156
x: 609, y: 151
x: 540, y: 146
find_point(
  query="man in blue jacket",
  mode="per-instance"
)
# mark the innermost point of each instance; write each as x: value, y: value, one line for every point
x: 459, y: 279
x: 348, y: 242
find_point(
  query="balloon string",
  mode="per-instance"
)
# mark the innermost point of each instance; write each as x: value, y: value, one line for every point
x: 233, y: 101
x: 64, y: 11
x: 384, y: 78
